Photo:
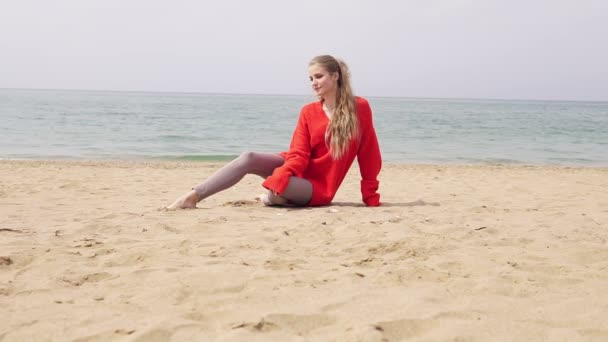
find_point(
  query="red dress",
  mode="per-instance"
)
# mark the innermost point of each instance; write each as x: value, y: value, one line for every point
x: 309, y: 158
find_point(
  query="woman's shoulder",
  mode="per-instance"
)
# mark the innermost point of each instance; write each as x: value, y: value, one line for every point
x: 311, y: 106
x: 363, y: 108
x: 361, y: 101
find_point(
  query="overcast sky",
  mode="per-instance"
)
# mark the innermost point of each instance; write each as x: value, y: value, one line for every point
x: 506, y: 49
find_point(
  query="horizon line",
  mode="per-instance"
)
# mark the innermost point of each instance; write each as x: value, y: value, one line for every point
x: 312, y: 95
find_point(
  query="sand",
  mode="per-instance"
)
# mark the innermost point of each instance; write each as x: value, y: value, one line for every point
x: 463, y: 253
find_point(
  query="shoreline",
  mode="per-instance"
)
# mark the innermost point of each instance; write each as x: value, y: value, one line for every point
x: 193, y: 163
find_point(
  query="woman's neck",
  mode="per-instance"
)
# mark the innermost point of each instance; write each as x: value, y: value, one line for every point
x: 330, y: 102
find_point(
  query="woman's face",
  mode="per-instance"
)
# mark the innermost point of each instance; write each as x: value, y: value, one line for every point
x: 323, y: 82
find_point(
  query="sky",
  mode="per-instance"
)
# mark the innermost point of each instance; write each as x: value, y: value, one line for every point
x: 496, y: 49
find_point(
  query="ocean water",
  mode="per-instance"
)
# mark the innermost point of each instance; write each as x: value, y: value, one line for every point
x: 53, y: 124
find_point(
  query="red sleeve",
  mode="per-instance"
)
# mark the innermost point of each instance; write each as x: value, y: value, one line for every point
x: 296, y: 159
x: 368, y: 157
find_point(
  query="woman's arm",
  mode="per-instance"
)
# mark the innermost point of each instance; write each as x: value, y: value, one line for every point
x: 368, y: 157
x: 296, y: 159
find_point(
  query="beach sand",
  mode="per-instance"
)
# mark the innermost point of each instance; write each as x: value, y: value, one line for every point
x: 459, y: 253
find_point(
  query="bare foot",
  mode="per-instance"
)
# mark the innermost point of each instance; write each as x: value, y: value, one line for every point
x: 186, y: 201
x: 270, y: 199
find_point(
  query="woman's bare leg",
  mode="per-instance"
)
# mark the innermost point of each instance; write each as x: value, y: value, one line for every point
x: 258, y: 163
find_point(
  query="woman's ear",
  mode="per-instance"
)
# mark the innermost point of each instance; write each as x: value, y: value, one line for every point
x: 336, y: 76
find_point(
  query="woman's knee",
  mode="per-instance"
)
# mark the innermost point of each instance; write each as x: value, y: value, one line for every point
x: 248, y: 158
x: 249, y: 161
x: 259, y: 163
x: 298, y: 191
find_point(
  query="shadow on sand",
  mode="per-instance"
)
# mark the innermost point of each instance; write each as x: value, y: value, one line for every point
x: 417, y: 203
x: 388, y: 204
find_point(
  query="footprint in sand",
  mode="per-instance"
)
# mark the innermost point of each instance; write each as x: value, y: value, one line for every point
x: 86, y: 243
x: 16, y: 261
x: 5, y: 261
x: 240, y: 203
x: 6, y: 290
x: 88, y: 278
x: 399, y: 250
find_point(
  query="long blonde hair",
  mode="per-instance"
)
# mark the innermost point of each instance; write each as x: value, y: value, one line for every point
x: 343, y: 125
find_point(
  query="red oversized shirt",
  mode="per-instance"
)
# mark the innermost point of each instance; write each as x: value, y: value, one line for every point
x: 309, y: 157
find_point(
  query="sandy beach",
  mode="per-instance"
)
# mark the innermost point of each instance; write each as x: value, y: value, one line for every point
x: 456, y: 253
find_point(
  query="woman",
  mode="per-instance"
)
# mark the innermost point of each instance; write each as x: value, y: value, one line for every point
x: 329, y: 135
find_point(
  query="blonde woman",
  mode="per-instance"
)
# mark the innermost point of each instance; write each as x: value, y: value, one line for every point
x: 329, y: 134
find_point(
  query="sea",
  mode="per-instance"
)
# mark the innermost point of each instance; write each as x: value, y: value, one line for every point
x: 113, y: 125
